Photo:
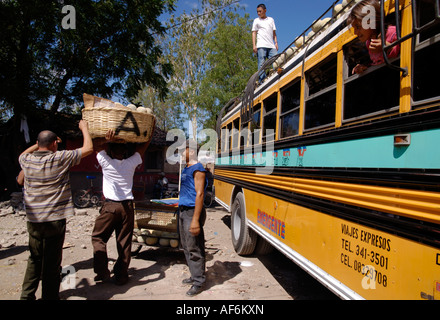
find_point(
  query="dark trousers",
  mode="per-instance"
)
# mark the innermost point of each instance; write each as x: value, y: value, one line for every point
x: 46, y: 249
x: 193, y: 247
x: 118, y: 217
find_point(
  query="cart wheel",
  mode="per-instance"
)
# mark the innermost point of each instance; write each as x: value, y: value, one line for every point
x: 135, y: 249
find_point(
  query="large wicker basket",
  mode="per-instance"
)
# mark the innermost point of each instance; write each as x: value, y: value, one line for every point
x: 156, y: 219
x: 129, y: 125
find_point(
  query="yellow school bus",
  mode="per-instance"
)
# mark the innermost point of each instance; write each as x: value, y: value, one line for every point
x: 341, y: 171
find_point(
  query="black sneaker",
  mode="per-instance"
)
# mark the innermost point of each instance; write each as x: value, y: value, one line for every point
x: 195, y: 290
x: 102, y: 276
x: 187, y: 281
x: 120, y: 281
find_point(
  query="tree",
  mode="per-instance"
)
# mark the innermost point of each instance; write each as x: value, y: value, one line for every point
x: 231, y: 64
x: 167, y: 117
x: 187, y: 51
x: 111, y: 51
x: 49, y: 57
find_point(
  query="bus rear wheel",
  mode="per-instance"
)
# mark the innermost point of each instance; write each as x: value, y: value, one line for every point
x: 243, y: 238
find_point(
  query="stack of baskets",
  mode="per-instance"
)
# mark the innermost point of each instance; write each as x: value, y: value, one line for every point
x: 155, y: 219
x: 155, y: 224
x: 130, y: 124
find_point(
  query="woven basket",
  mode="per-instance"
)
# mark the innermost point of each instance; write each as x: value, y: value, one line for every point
x: 129, y: 125
x: 149, y: 219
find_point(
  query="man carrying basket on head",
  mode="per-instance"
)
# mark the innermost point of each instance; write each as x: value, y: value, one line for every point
x: 117, y: 212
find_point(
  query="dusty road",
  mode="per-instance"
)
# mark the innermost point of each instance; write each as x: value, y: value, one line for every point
x: 156, y: 272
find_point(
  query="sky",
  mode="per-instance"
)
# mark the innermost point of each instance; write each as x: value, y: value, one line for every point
x: 291, y: 17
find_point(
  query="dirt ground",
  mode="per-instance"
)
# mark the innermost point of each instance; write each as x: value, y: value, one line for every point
x: 156, y: 273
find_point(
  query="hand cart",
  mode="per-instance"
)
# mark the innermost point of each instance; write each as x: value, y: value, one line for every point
x: 155, y: 225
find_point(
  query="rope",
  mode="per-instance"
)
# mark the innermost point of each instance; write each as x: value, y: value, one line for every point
x: 247, y: 100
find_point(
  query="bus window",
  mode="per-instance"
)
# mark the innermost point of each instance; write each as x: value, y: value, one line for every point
x: 426, y: 67
x: 321, y: 97
x: 229, y: 126
x: 235, y: 133
x: 425, y: 14
x: 224, y: 134
x: 256, y: 117
x: 356, y: 53
x: 289, y: 116
x: 270, y: 116
x: 426, y: 62
x: 242, y: 134
x: 374, y: 91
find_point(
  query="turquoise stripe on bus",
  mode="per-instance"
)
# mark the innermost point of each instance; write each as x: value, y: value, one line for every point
x: 375, y: 152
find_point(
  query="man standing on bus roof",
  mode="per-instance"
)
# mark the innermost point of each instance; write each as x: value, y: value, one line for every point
x: 264, y: 37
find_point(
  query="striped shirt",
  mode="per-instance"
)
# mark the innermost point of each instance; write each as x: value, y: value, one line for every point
x: 47, y: 192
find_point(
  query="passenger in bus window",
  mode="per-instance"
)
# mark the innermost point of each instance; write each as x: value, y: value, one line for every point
x: 365, y: 19
x: 264, y: 37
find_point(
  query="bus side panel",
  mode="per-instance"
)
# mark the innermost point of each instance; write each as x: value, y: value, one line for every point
x: 223, y: 192
x: 267, y: 212
x: 374, y: 264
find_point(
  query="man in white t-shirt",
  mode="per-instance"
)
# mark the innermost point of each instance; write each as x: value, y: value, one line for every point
x: 117, y: 212
x: 264, y: 37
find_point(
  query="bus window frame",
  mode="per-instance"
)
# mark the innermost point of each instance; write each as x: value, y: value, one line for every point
x: 224, y: 141
x: 235, y: 134
x: 417, y: 47
x: 308, y: 97
x: 229, y: 127
x: 258, y: 108
x: 244, y: 127
x: 371, y: 114
x: 296, y: 81
x: 348, y: 78
x: 265, y: 114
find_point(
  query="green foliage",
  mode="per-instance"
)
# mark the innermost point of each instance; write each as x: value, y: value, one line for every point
x: 231, y: 61
x: 111, y: 51
x: 211, y: 51
x: 186, y: 50
x: 167, y: 117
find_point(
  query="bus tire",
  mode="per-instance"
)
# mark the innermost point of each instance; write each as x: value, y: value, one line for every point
x: 244, y: 239
x: 263, y: 247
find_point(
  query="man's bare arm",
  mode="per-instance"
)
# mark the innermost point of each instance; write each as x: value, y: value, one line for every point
x: 87, y: 147
x: 199, y: 183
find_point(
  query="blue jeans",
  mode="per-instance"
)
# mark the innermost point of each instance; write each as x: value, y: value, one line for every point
x: 263, y: 54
